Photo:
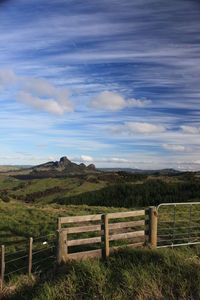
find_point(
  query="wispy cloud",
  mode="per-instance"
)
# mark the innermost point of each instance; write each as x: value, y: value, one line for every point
x: 7, y: 78
x: 101, y: 61
x: 114, y: 101
x: 138, y: 128
x: 58, y: 107
x: 87, y: 158
x: 38, y: 93
x: 190, y: 129
x: 173, y: 147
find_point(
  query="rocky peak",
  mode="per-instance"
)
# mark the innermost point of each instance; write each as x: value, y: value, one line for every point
x: 91, y: 167
x: 66, y: 166
x: 64, y: 161
x: 82, y: 165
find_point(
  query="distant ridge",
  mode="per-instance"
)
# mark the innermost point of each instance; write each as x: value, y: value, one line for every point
x: 64, y: 165
x: 139, y: 171
x: 54, y: 169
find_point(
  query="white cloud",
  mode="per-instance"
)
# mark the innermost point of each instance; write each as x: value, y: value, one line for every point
x: 146, y: 128
x: 49, y: 105
x: 51, y: 158
x: 114, y: 101
x: 45, y: 96
x: 38, y: 86
x: 38, y: 93
x: 174, y: 147
x: 138, y: 102
x: 43, y: 88
x: 119, y: 160
x: 189, y: 129
x: 87, y: 158
x: 138, y: 128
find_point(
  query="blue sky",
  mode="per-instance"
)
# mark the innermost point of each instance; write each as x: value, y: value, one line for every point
x: 116, y: 83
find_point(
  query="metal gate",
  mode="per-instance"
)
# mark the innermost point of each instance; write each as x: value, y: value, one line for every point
x: 178, y: 224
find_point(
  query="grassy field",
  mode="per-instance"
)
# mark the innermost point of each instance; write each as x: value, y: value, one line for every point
x: 89, y: 188
x: 30, y: 208
x: 8, y: 168
x: 19, y: 221
x: 46, y: 190
x: 139, y: 274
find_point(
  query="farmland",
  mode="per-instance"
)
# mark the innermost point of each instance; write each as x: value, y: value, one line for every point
x: 30, y: 208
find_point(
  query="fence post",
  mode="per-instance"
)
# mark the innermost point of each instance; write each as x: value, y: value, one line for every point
x: 106, y: 249
x: 2, y: 265
x: 62, y: 248
x: 153, y: 219
x: 147, y: 226
x: 59, y: 223
x: 30, y: 256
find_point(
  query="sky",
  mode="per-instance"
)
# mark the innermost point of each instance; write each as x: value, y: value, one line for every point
x: 114, y: 83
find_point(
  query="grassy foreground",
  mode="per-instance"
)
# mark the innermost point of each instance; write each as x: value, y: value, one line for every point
x: 128, y: 274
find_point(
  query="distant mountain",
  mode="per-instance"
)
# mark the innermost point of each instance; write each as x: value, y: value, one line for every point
x: 64, y: 165
x: 61, y: 168
x: 128, y: 170
x: 139, y: 171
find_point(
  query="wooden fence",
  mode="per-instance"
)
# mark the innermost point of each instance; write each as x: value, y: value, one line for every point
x: 133, y: 227
x: 138, y: 231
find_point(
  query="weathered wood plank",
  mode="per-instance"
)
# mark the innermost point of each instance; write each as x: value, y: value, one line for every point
x: 126, y: 214
x: 127, y: 235
x: 84, y: 241
x: 67, y: 220
x: 126, y: 224
x: 74, y: 219
x: 91, y: 228
x: 98, y: 253
x: 86, y: 254
x: 83, y: 229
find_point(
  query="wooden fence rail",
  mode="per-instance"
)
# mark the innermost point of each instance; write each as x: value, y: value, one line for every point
x: 107, y: 232
x: 134, y: 227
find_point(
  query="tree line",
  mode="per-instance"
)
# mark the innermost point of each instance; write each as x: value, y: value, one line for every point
x: 151, y: 192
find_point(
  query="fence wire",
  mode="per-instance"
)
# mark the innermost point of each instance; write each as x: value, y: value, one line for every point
x: 42, y: 256
x: 178, y: 224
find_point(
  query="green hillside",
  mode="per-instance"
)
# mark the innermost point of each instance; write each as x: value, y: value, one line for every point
x: 30, y: 208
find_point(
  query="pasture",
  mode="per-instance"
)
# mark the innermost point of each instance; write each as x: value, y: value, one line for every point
x: 30, y: 208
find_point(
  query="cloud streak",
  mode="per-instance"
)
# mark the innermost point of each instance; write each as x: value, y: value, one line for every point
x: 138, y: 128
x: 7, y: 78
x: 103, y: 60
x: 173, y: 147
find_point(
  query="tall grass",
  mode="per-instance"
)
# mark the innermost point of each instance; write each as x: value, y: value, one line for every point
x: 128, y: 274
